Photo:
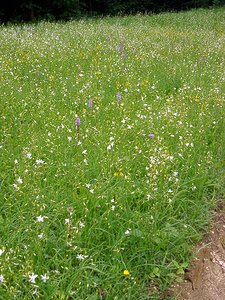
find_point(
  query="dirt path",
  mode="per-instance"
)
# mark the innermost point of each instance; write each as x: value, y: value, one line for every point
x: 205, y: 279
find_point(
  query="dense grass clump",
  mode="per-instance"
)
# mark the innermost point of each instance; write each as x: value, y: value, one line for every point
x: 112, y: 148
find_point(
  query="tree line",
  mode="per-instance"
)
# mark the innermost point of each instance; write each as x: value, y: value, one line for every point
x: 34, y: 10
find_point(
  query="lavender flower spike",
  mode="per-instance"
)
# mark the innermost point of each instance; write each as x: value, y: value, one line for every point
x: 121, y: 47
x: 118, y: 97
x: 77, y: 122
x: 90, y: 103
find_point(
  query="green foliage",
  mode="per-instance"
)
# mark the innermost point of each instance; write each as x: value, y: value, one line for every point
x: 108, y: 206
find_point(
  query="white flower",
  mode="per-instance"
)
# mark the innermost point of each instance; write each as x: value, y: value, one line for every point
x: 40, y: 236
x: 193, y: 188
x: 39, y: 161
x: 32, y: 278
x: 44, y: 277
x: 109, y: 147
x: 67, y: 221
x: 19, y: 180
x: 35, y: 291
x: 1, y: 251
x: 69, y: 138
x: 127, y: 232
x: 40, y: 219
x: 29, y: 155
x: 91, y: 191
x: 16, y: 161
x: 84, y: 152
x: 81, y: 256
x: 88, y: 185
x: 16, y: 187
x: 1, y: 278
x: 81, y: 225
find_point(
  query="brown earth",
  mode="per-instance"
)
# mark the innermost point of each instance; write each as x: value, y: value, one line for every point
x: 205, y: 278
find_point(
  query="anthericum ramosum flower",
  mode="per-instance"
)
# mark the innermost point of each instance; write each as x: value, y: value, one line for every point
x: 44, y: 277
x: 32, y: 278
x: 40, y: 218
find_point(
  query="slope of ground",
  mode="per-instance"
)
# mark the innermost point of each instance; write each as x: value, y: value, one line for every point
x: 204, y: 280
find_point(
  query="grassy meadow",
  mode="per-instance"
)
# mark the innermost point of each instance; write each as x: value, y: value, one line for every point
x: 112, y: 152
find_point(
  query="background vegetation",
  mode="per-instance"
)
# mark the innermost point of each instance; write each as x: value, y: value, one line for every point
x: 31, y: 10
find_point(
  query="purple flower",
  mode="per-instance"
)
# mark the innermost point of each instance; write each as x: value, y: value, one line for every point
x: 118, y: 97
x: 90, y: 103
x: 121, y: 47
x: 124, y: 55
x: 77, y: 123
x: 151, y: 135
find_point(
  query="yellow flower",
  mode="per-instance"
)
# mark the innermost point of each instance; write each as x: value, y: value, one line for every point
x: 118, y: 173
x: 126, y: 273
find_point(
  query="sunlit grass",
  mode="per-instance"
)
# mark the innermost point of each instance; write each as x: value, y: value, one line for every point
x: 112, y: 152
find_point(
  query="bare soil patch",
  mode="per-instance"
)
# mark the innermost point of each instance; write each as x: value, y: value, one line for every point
x: 205, y: 278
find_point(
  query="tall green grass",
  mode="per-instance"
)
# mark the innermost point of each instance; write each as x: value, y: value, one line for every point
x: 108, y: 208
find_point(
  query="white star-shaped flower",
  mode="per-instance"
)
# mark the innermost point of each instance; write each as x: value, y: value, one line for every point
x: 19, y: 180
x: 40, y: 218
x: 81, y: 256
x: 44, y: 277
x: 32, y: 278
x: 29, y: 155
